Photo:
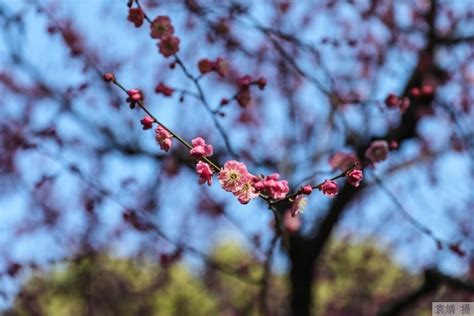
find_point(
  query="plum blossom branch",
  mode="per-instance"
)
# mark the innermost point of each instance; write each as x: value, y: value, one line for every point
x: 171, y: 48
x: 145, y: 224
x: 204, y: 101
x: 319, y: 186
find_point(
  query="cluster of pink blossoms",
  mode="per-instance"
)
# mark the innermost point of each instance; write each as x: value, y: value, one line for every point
x: 162, y: 29
x: 235, y: 178
x: 220, y: 65
x: 163, y: 138
x: 200, y: 148
x: 244, y: 97
x: 271, y: 186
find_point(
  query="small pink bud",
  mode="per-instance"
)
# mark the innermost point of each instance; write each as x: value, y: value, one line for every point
x: 224, y: 101
x: 108, y: 76
x: 147, y: 122
x: 261, y: 82
x: 392, y: 100
x: 393, y: 145
x: 306, y: 190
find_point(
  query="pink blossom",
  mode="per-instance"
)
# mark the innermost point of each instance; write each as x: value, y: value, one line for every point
x: 164, y: 89
x: 108, y: 76
x: 298, y: 205
x: 392, y: 100
x: 200, y: 148
x: 244, y: 97
x: 205, y: 66
x: 427, y: 90
x: 271, y: 186
x: 247, y: 191
x: 204, y: 172
x: 342, y: 161
x: 147, y: 122
x: 136, y: 16
x: 415, y: 92
x: 169, y: 46
x: 404, y: 104
x: 244, y: 81
x: 261, y: 82
x: 134, y: 96
x: 161, y: 27
x: 163, y: 138
x: 232, y: 176
x: 354, y: 177
x: 378, y: 151
x: 221, y: 66
x: 291, y: 223
x: 224, y: 101
x: 329, y: 188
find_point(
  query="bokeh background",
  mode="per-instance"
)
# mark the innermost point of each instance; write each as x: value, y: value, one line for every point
x: 96, y: 220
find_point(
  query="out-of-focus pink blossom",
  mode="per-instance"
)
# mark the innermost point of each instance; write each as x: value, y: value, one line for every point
x: 377, y: 151
x: 342, y: 161
x: 136, y: 16
x: 161, y: 27
x: 291, y: 223
x: 298, y: 205
x: 169, y: 45
x: 354, y: 177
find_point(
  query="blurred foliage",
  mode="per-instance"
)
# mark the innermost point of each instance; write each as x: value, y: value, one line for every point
x: 357, y: 279
x: 352, y: 278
